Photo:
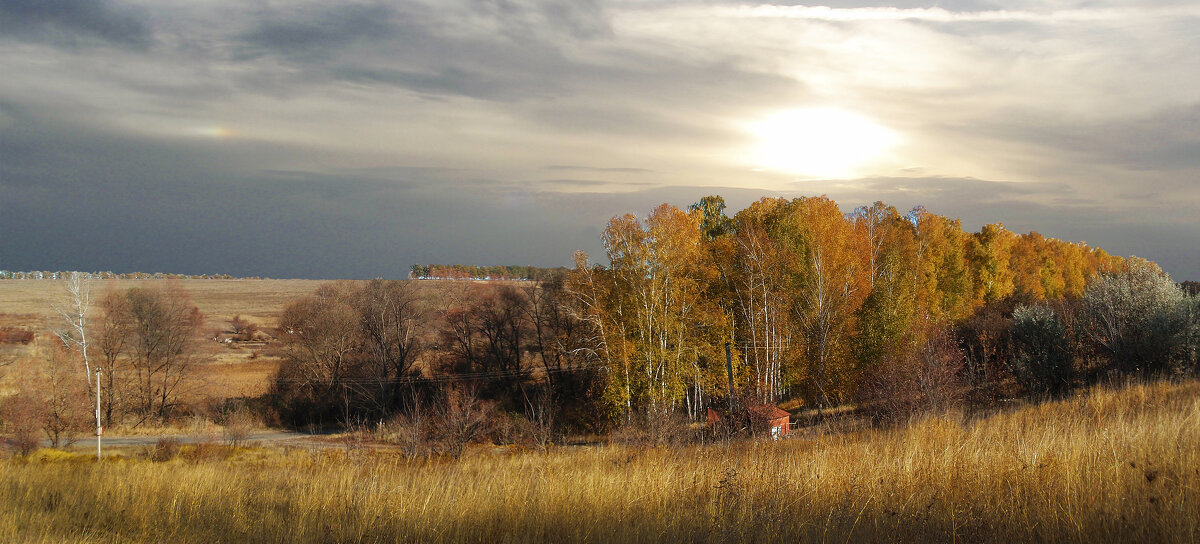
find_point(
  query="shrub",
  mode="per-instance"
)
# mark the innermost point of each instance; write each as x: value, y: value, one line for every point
x: 929, y: 380
x: 461, y: 418
x: 15, y: 335
x: 205, y: 451
x: 1138, y: 318
x: 653, y: 428
x: 1041, y: 358
x: 164, y: 449
x: 21, y: 414
x: 236, y: 426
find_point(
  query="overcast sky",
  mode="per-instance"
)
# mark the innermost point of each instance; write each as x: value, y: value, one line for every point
x: 352, y: 139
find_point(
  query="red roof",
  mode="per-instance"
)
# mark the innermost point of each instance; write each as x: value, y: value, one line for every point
x: 769, y: 412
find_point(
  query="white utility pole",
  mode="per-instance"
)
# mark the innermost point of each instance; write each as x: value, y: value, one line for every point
x: 99, y: 427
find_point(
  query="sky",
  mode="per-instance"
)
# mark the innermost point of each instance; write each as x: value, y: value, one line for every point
x: 318, y: 139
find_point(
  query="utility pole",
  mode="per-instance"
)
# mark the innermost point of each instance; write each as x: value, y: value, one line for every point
x: 99, y: 425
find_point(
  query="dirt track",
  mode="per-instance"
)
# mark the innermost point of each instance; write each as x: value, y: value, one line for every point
x: 273, y: 438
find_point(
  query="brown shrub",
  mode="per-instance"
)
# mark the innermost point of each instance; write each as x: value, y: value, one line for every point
x: 164, y: 449
x: 927, y: 381
x: 653, y: 428
x: 21, y: 414
x: 243, y: 328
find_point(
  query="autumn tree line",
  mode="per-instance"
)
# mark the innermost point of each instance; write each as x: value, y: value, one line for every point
x: 892, y: 311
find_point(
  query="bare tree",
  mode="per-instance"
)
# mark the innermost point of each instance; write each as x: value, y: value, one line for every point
x: 113, y: 340
x: 390, y: 314
x: 350, y: 349
x: 320, y: 334
x: 164, y: 325
x: 74, y: 313
x: 491, y: 334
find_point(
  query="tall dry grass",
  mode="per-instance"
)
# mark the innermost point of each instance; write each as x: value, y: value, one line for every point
x: 1106, y: 465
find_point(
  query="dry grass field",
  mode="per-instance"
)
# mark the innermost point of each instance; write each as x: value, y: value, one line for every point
x: 219, y: 300
x: 1107, y: 465
x: 221, y: 370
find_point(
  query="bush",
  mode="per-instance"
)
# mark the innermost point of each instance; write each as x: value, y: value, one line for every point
x: 653, y: 428
x: 461, y: 418
x: 408, y: 431
x: 1138, y: 318
x: 205, y: 451
x: 15, y: 335
x: 1041, y: 359
x: 984, y: 339
x: 52, y: 398
x: 21, y: 414
x: 927, y: 381
x: 236, y: 426
x: 164, y: 449
x: 242, y: 328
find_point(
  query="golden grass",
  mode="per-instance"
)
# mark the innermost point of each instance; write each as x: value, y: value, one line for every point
x: 1106, y: 465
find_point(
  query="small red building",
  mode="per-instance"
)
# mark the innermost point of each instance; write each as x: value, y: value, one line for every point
x: 764, y: 418
x: 771, y: 419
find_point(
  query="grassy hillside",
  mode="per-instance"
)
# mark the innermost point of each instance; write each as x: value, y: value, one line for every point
x: 1105, y: 465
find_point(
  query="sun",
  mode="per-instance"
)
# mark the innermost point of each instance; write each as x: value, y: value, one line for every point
x: 818, y: 142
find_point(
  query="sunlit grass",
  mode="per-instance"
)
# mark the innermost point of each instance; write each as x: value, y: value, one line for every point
x: 1106, y: 465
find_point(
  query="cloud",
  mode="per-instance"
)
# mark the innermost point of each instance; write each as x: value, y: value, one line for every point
x: 619, y: 169
x: 339, y: 139
x: 500, y: 50
x: 943, y: 15
x: 74, y: 22
x: 318, y: 32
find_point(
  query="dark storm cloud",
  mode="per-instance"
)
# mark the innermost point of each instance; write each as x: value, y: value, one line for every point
x: 79, y: 200
x: 73, y: 22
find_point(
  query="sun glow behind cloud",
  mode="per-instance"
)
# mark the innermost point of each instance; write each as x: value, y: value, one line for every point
x: 216, y: 132
x: 818, y: 142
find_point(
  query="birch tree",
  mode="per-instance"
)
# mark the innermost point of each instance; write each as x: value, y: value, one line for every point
x: 762, y: 298
x: 75, y: 313
x: 829, y: 292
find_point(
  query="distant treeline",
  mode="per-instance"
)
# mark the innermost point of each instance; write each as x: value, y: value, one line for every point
x: 472, y: 272
x: 48, y: 275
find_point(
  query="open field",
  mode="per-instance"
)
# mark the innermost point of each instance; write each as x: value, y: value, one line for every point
x: 222, y: 370
x: 219, y: 300
x: 1104, y: 466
